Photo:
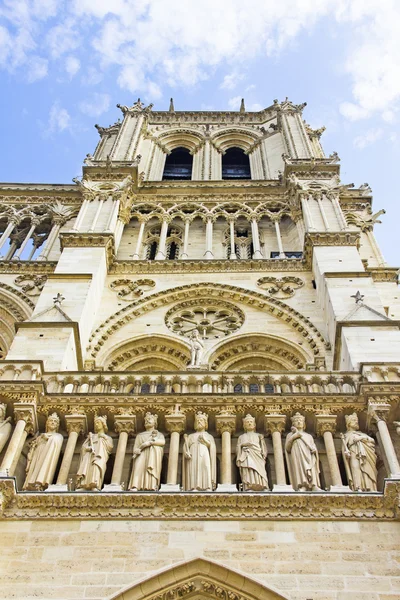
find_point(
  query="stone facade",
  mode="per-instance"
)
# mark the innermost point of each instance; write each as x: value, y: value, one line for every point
x: 199, y: 370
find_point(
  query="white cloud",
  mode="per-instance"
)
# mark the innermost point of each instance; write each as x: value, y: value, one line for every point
x: 367, y: 138
x: 37, y: 69
x: 231, y: 81
x: 234, y: 103
x: 59, y: 120
x: 96, y: 106
x: 72, y: 65
x: 352, y: 111
x: 255, y: 107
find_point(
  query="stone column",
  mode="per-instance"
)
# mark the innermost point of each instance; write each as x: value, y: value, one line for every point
x: 28, y: 236
x: 184, y: 254
x: 209, y: 238
x: 326, y: 427
x: 125, y: 425
x: 256, y: 238
x: 308, y: 220
x: 26, y: 423
x: 76, y: 425
x: 377, y: 414
x: 319, y: 198
x: 97, y: 215
x: 8, y: 230
x: 138, y: 250
x: 81, y: 215
x: 175, y: 423
x: 232, y: 255
x: 279, y: 237
x: 58, y: 223
x: 161, y: 254
x: 226, y: 425
x: 114, y: 210
x: 275, y: 425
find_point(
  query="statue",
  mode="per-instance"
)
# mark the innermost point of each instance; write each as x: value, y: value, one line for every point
x: 43, y: 455
x: 251, y: 453
x: 197, y: 347
x: 5, y: 426
x: 199, y: 462
x: 147, y: 457
x: 95, y: 453
x: 359, y: 457
x: 302, y: 457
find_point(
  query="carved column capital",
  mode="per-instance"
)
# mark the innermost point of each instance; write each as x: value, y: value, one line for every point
x: 27, y: 413
x: 275, y: 423
x: 125, y: 423
x: 175, y: 422
x: 325, y: 423
x: 76, y: 422
x: 378, y: 410
x: 225, y: 421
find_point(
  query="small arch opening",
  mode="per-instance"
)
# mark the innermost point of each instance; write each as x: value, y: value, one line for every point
x: 178, y: 165
x: 235, y: 164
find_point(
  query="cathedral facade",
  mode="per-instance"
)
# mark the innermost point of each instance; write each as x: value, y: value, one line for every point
x: 199, y: 370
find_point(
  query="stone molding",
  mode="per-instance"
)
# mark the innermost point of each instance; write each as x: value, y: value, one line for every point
x: 199, y: 505
x: 122, y: 267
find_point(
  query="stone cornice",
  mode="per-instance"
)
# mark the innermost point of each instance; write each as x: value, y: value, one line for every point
x: 197, y: 505
x: 32, y: 267
x: 207, y: 266
x: 90, y: 240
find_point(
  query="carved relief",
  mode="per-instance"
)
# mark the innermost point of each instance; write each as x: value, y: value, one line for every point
x: 284, y: 287
x: 210, y: 320
x: 127, y: 289
x: 31, y: 285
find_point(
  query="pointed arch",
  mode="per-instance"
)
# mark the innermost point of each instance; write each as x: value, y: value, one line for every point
x: 199, y: 578
x: 240, y: 137
x: 14, y: 307
x: 148, y: 353
x: 186, y: 138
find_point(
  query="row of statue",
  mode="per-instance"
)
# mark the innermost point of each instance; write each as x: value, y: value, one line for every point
x: 199, y: 462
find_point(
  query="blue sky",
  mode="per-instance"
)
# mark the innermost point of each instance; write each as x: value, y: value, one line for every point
x: 64, y: 65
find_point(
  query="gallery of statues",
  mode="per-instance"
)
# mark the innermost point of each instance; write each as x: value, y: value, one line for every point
x: 199, y: 369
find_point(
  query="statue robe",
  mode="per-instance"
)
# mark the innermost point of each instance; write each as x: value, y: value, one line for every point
x: 95, y: 452
x: 5, y: 432
x: 251, y: 452
x: 362, y: 472
x: 147, y: 465
x: 303, y: 464
x: 43, y: 457
x: 200, y: 471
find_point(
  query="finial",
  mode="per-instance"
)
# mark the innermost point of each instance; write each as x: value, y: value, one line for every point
x: 58, y: 300
x: 242, y: 107
x: 358, y: 297
x: 171, y: 105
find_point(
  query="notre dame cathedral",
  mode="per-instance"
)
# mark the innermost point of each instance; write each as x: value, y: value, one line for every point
x: 199, y: 370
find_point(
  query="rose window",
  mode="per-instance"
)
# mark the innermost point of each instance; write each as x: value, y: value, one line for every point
x: 211, y: 320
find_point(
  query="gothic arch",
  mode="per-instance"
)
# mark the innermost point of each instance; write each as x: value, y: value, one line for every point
x: 14, y: 307
x: 198, y: 579
x: 240, y: 138
x: 151, y: 353
x: 186, y: 138
x: 257, y: 352
x: 314, y: 342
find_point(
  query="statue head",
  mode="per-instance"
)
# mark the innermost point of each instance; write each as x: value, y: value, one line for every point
x: 200, y: 421
x: 298, y: 421
x: 150, y: 421
x: 100, y: 424
x: 52, y: 422
x: 352, y: 421
x: 249, y: 423
x: 3, y: 410
x: 195, y: 334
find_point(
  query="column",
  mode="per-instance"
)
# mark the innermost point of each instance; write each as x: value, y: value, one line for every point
x: 34, y: 223
x: 370, y: 235
x: 279, y: 237
x: 26, y: 423
x: 320, y: 200
x: 256, y: 238
x: 125, y: 425
x: 275, y: 426
x: 226, y: 425
x: 114, y: 210
x: 184, y: 254
x: 307, y: 213
x: 58, y: 223
x: 326, y: 427
x: 377, y: 414
x: 175, y: 423
x: 209, y: 238
x: 161, y: 254
x: 7, y: 231
x: 81, y: 215
x: 97, y: 215
x: 232, y: 255
x: 76, y: 425
x: 138, y: 250
x: 338, y: 210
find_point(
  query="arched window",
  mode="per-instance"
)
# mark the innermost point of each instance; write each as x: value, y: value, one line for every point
x: 152, y: 250
x: 254, y: 388
x: 238, y: 388
x: 235, y: 164
x: 145, y: 389
x: 178, y: 164
x: 160, y: 388
x: 269, y: 388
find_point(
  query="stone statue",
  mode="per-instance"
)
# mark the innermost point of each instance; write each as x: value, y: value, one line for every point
x: 197, y: 347
x: 359, y: 457
x: 43, y: 455
x: 302, y: 457
x: 147, y: 457
x: 5, y: 426
x: 95, y: 453
x: 199, y: 461
x: 251, y: 453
